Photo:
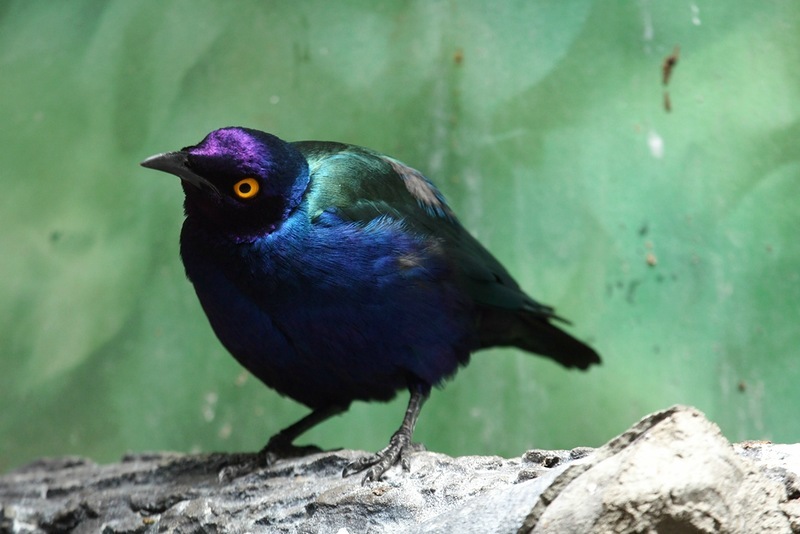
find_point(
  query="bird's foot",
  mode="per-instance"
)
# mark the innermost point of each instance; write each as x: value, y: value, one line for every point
x: 276, y: 449
x: 280, y: 447
x: 377, y: 464
x: 239, y: 465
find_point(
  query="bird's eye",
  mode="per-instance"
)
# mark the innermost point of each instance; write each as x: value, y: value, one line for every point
x: 246, y: 188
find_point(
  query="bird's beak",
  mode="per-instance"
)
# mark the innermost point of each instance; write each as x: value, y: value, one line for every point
x: 177, y: 163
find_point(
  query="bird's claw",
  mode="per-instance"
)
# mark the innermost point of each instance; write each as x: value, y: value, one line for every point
x: 279, y: 447
x: 238, y: 465
x: 359, y: 465
x: 377, y: 464
x: 405, y: 463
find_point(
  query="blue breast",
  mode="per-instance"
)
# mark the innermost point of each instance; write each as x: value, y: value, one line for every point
x: 331, y: 312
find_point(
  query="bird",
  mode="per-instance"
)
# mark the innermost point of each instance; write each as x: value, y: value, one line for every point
x: 335, y: 273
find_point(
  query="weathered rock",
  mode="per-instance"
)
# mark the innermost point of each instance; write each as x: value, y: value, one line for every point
x: 671, y: 472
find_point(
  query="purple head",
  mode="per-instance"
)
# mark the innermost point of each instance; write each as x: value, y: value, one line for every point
x: 238, y: 178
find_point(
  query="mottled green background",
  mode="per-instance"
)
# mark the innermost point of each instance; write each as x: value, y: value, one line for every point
x: 543, y: 122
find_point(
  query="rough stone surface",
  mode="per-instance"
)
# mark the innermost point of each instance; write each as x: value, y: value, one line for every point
x: 671, y: 472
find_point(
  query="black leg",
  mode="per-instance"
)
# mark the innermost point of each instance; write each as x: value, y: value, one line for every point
x: 281, y: 444
x: 380, y: 462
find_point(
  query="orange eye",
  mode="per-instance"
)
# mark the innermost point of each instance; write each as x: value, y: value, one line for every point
x: 246, y: 188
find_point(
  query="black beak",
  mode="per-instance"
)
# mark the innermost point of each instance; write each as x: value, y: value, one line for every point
x: 177, y: 163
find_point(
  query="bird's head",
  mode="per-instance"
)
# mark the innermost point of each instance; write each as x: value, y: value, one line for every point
x: 238, y: 180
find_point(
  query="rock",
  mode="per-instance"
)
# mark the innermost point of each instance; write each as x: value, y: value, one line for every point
x: 671, y: 472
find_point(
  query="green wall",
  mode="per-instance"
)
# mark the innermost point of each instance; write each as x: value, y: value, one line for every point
x: 669, y: 238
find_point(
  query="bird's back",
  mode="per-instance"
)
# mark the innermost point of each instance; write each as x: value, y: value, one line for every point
x: 362, y: 185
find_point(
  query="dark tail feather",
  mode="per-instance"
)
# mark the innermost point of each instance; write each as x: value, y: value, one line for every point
x: 534, y: 333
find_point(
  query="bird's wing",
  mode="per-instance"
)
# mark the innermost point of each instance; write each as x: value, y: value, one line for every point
x: 360, y: 185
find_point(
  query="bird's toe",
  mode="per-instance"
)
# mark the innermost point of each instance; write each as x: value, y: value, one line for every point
x: 239, y: 465
x: 377, y: 464
x: 359, y: 465
x: 279, y: 448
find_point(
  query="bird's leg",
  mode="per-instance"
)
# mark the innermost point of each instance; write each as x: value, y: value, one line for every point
x: 281, y: 444
x: 380, y: 462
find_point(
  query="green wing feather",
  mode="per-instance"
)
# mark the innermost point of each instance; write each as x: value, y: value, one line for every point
x: 361, y: 185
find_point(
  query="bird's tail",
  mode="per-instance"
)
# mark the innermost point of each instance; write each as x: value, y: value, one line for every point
x: 533, y: 332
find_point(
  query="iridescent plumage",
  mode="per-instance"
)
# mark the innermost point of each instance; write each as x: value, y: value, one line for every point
x: 338, y: 274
